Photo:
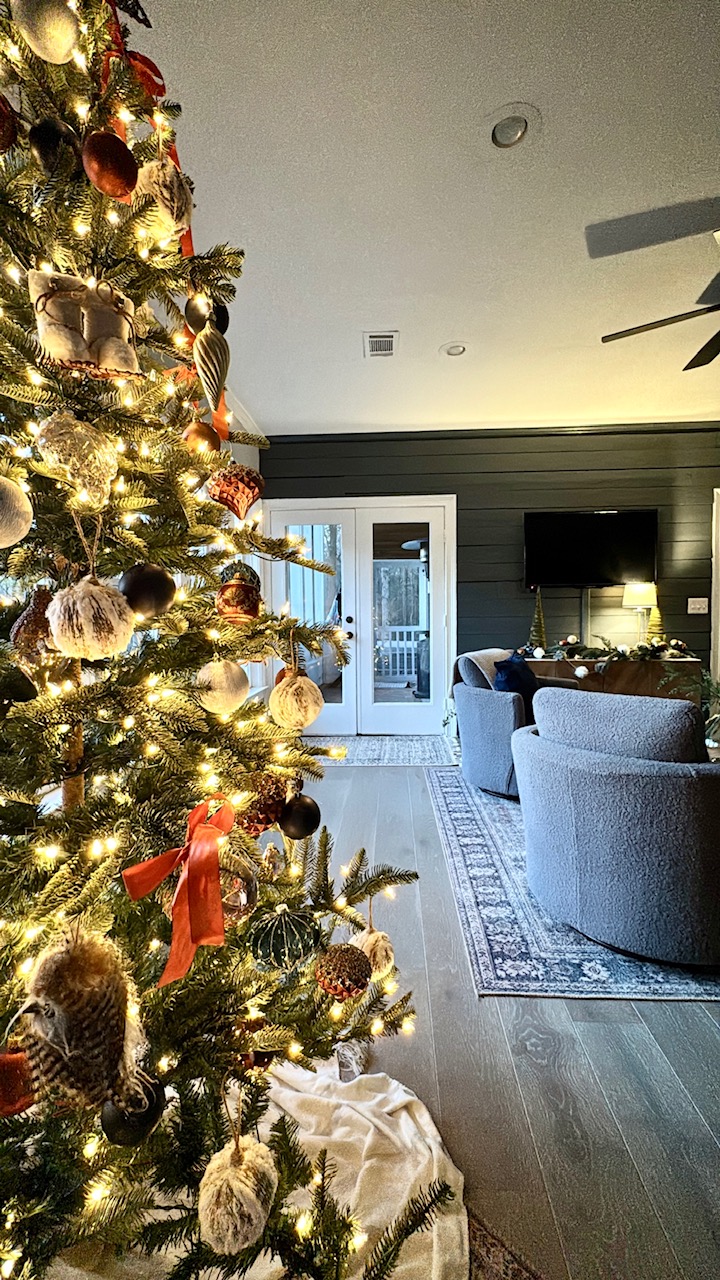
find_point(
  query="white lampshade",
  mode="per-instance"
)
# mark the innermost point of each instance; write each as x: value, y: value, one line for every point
x: 639, y: 595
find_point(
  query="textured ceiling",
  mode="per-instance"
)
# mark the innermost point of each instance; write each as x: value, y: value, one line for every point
x: 345, y: 144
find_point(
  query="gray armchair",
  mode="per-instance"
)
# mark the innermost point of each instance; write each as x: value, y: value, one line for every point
x: 622, y: 813
x: 487, y: 719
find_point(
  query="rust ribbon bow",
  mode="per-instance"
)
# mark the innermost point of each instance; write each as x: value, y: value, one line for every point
x: 197, y: 914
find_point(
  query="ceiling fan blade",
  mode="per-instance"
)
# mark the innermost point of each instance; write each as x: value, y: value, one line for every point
x: 706, y: 354
x: 711, y: 292
x: 660, y: 324
x: 653, y: 226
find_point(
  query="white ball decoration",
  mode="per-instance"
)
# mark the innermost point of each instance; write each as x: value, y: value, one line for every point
x: 16, y: 513
x: 223, y: 687
x: 49, y: 27
x: 379, y: 950
x: 582, y: 672
x: 296, y: 702
x: 236, y: 1195
x: 90, y: 620
x: 539, y: 652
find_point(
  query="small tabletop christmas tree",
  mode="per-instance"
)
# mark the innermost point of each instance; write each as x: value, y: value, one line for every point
x: 156, y: 960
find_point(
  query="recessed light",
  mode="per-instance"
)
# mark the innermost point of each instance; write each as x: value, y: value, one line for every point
x: 453, y: 349
x: 509, y: 131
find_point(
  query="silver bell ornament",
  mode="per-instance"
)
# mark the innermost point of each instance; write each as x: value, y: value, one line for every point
x: 79, y: 453
x: 90, y: 620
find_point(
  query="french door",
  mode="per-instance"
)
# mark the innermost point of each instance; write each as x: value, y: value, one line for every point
x: 392, y: 593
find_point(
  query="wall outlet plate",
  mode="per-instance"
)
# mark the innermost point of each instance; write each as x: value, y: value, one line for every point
x: 697, y: 604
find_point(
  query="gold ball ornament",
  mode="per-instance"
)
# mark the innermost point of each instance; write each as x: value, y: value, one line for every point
x: 90, y: 620
x: 200, y: 437
x: 48, y: 27
x: 236, y: 1195
x: 16, y: 513
x: 296, y: 702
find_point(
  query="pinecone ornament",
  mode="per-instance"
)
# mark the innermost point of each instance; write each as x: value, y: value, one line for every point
x: 265, y: 807
x: 236, y: 487
x: 343, y: 971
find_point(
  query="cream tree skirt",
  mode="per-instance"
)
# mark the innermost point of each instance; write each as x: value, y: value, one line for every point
x: 385, y: 1147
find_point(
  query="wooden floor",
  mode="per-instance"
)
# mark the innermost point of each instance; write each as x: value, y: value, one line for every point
x: 588, y: 1131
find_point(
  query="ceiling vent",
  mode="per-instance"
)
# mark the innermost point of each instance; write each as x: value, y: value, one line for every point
x: 380, y: 344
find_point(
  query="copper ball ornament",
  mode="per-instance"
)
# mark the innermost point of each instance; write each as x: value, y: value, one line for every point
x: 236, y: 487
x: 265, y: 807
x: 201, y: 437
x: 16, y: 1090
x: 109, y: 164
x: 8, y: 125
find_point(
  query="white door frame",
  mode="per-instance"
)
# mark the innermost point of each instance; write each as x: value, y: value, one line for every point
x: 715, y: 590
x: 392, y: 506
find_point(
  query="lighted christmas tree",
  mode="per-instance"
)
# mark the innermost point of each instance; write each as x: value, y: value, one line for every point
x: 156, y: 958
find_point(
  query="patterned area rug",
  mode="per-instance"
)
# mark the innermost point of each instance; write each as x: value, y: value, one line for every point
x: 490, y: 1259
x: 514, y: 948
x: 423, y: 750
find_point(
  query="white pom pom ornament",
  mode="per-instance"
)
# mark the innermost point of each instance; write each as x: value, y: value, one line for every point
x: 236, y: 1195
x: 379, y: 950
x: 90, y: 620
x: 223, y: 687
x: 16, y: 513
x: 296, y: 702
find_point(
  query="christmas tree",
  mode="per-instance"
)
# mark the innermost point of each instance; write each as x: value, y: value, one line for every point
x: 156, y: 958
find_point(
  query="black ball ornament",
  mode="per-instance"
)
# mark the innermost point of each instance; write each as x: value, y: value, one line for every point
x: 48, y: 140
x: 128, y: 1128
x: 148, y: 588
x: 199, y: 308
x: 15, y: 686
x: 300, y: 817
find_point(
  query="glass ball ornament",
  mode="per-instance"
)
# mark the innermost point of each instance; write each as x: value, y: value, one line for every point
x: 241, y: 899
x: 198, y: 310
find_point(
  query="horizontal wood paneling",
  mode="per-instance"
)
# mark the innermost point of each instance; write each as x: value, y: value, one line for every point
x: 499, y: 475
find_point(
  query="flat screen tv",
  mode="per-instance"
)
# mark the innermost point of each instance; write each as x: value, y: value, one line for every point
x: 590, y: 548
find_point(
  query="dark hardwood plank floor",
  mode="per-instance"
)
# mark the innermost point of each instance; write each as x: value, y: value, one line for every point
x: 587, y: 1131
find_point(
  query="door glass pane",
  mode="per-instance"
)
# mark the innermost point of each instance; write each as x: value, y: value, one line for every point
x: 317, y: 597
x: 401, y: 612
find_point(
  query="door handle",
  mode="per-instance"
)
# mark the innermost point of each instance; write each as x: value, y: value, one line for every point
x: 349, y: 619
x: 349, y: 635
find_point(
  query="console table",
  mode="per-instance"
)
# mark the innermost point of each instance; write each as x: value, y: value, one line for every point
x: 628, y: 676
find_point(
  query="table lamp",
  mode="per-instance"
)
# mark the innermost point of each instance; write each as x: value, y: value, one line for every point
x: 642, y: 597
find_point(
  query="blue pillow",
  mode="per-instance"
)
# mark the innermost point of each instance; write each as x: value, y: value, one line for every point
x: 515, y: 676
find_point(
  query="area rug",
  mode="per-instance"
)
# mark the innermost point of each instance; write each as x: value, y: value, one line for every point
x: 490, y: 1258
x: 424, y: 749
x: 513, y: 947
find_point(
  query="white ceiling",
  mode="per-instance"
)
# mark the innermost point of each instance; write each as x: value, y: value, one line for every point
x: 345, y: 144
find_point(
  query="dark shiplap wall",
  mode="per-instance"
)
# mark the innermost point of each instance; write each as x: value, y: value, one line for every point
x: 499, y: 475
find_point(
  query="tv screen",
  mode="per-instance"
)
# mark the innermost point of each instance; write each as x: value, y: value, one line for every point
x: 590, y: 548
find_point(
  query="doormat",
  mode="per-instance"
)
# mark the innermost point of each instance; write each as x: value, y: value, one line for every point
x: 513, y: 946
x: 490, y: 1258
x: 426, y: 749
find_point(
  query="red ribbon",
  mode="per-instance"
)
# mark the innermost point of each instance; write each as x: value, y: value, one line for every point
x: 197, y: 914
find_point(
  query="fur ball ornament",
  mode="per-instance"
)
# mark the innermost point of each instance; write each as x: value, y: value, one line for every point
x: 78, y: 1036
x: 343, y: 971
x: 379, y: 950
x: 90, y: 620
x: 79, y: 453
x: 172, y: 194
x: 16, y: 513
x: 222, y: 687
x: 296, y: 702
x: 49, y: 27
x: 236, y: 1195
